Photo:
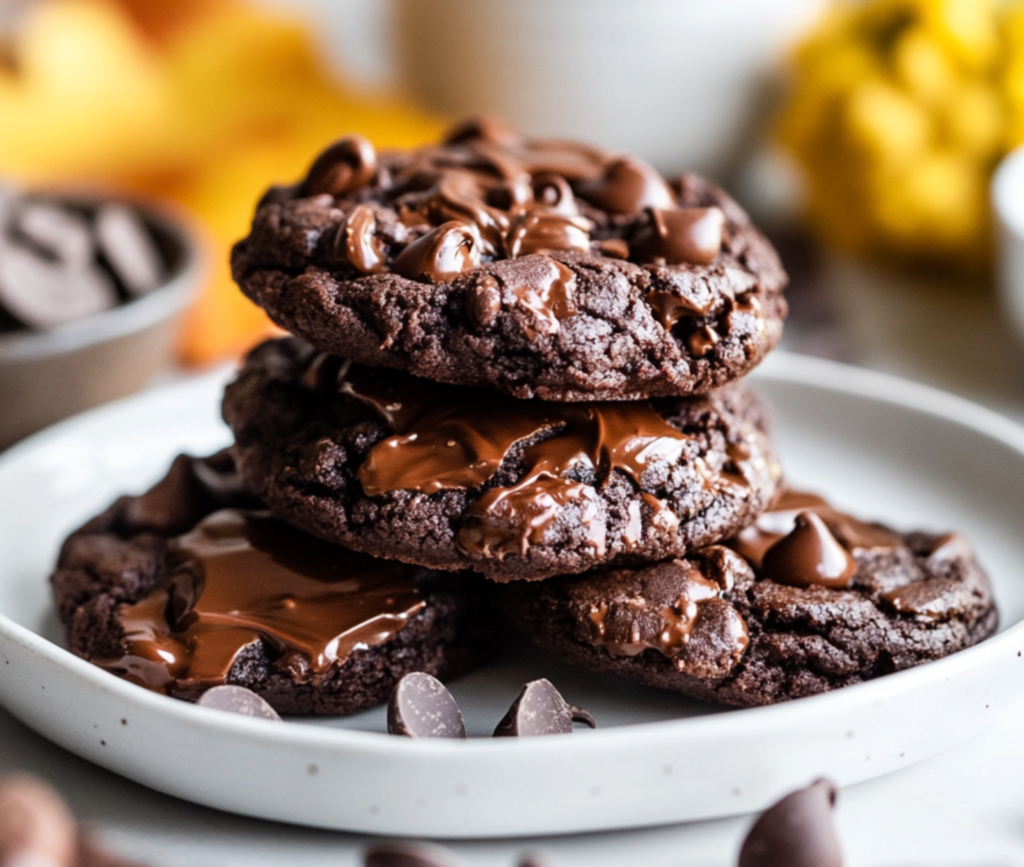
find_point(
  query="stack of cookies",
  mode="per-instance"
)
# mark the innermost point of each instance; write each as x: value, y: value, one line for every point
x: 518, y: 359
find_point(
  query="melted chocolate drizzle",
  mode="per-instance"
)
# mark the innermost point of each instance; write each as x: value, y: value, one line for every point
x: 242, y: 577
x: 448, y: 438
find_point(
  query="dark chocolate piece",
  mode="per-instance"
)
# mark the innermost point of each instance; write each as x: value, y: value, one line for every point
x: 61, y: 235
x: 347, y: 165
x: 797, y: 831
x: 808, y: 556
x: 421, y: 707
x: 42, y: 294
x: 129, y: 249
x: 540, y: 710
x: 555, y: 270
x: 237, y: 699
x: 35, y: 826
x: 245, y: 600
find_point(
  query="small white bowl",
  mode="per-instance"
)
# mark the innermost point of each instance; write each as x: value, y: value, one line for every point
x: 1008, y: 205
x: 46, y: 376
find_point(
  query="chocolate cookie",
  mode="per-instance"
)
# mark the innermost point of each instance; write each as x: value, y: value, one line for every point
x: 455, y: 477
x: 189, y: 587
x: 537, y: 268
x: 805, y: 600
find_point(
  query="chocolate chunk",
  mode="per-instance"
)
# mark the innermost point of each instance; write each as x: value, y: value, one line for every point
x: 810, y: 555
x: 237, y: 699
x: 408, y: 855
x: 420, y: 707
x: 345, y: 166
x: 483, y: 129
x: 59, y: 234
x: 43, y: 294
x: 541, y: 710
x: 441, y: 254
x: 35, y: 826
x: 513, y: 197
x: 795, y: 832
x: 129, y: 248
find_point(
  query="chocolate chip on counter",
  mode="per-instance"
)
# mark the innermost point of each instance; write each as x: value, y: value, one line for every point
x: 129, y: 249
x: 237, y: 699
x: 420, y: 707
x: 541, y: 710
x: 796, y: 831
x: 35, y: 826
x: 42, y: 294
x: 409, y: 855
x: 57, y: 233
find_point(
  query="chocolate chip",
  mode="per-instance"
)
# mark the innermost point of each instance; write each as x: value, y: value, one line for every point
x: 408, y: 855
x: 795, y: 832
x: 237, y: 699
x: 540, y: 710
x: 35, y: 826
x: 56, y: 233
x: 129, y: 248
x: 346, y: 166
x: 420, y: 707
x: 483, y: 129
x: 483, y: 302
x: 42, y: 294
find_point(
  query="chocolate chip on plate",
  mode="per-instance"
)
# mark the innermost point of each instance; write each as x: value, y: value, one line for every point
x: 796, y: 831
x: 237, y: 699
x: 541, y: 710
x: 129, y: 249
x: 420, y: 707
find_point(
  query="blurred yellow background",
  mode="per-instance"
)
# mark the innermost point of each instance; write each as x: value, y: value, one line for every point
x: 900, y: 112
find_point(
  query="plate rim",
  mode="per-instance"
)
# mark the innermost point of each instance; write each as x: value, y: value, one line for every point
x: 782, y: 367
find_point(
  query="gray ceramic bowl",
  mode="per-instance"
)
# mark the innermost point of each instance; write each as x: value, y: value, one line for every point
x: 46, y: 376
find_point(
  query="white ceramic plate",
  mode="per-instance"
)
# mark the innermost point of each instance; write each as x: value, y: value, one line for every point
x: 878, y: 446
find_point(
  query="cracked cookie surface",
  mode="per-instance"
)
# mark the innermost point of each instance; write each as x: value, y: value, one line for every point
x: 455, y: 478
x: 540, y: 269
x: 743, y: 626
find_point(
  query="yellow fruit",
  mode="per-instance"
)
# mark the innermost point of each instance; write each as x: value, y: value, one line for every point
x: 899, y: 148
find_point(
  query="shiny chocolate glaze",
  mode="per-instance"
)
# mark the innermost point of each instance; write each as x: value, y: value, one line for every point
x: 458, y: 438
x: 241, y: 577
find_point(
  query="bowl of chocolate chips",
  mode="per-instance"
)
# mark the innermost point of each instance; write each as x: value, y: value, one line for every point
x: 91, y: 294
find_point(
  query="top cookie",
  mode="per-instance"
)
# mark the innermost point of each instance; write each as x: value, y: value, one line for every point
x: 539, y: 268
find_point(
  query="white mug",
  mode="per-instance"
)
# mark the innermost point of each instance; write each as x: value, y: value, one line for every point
x: 680, y: 83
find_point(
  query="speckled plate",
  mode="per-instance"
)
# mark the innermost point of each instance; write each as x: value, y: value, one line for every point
x: 878, y: 446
